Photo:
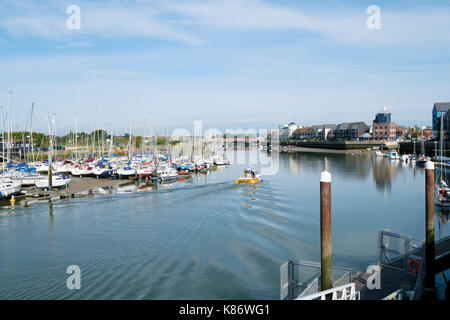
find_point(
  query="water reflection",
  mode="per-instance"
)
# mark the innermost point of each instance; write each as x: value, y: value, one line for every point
x: 50, y: 220
x: 384, y: 173
x: 442, y: 215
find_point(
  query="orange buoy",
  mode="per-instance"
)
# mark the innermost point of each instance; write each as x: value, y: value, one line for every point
x: 414, y: 269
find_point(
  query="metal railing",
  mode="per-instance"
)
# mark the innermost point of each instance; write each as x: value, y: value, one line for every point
x: 395, y: 250
x: 344, y: 292
x: 400, y: 294
x: 299, y: 279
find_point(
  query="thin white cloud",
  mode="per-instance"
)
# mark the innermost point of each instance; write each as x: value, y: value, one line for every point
x: 346, y: 26
x: 169, y: 19
x: 106, y: 21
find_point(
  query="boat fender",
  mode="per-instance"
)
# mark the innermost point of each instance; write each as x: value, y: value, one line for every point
x: 414, y: 269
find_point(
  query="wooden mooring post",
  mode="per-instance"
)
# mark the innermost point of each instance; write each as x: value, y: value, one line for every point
x: 429, y: 225
x: 325, y: 231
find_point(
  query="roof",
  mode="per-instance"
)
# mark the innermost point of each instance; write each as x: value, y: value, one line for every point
x: 324, y: 126
x: 303, y: 129
x: 349, y: 126
x: 442, y: 106
x: 365, y: 135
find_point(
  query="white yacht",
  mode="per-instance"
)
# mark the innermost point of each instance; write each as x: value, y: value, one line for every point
x: 393, y: 155
x: 58, y: 181
x: 168, y: 173
x: 9, y: 188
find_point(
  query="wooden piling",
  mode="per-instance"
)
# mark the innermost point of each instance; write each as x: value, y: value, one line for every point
x: 325, y: 231
x: 429, y: 223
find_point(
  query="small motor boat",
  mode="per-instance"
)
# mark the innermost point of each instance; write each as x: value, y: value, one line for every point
x: 59, y: 181
x: 250, y: 176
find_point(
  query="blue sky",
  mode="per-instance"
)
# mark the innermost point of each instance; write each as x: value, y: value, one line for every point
x: 231, y: 63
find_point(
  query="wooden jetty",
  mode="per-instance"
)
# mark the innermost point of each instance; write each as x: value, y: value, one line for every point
x: 78, y: 187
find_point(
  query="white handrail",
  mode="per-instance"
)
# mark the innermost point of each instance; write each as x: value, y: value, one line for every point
x: 347, y: 292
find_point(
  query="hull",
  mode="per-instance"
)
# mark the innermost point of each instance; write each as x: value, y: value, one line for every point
x: 126, y: 173
x: 102, y: 172
x: 9, y: 189
x: 82, y: 171
x: 26, y: 180
x: 144, y: 172
x: 64, y: 169
x: 56, y: 183
x: 169, y: 177
x: 248, y: 180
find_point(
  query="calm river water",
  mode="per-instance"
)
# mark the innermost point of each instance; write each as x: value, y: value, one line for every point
x: 208, y: 238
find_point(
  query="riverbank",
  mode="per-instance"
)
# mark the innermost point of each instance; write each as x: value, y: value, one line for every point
x: 291, y: 149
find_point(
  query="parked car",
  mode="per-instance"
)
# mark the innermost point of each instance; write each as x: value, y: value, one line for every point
x: 58, y: 148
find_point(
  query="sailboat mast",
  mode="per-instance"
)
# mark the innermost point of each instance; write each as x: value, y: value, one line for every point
x: 129, y: 143
x: 8, y: 151
x: 112, y: 138
x: 76, y: 137
x: 31, y: 132
x: 442, y: 143
x: 3, y: 139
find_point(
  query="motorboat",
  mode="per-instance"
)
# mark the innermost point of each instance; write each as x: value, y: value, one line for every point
x: 250, y: 176
x: 393, y: 155
x: 168, y: 173
x: 221, y: 161
x: 422, y: 159
x: 59, y: 181
x: 379, y: 154
x: 9, y: 188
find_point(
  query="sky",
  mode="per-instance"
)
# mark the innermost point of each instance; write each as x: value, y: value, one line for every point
x: 230, y: 63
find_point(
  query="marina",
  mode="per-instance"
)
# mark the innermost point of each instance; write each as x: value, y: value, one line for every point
x: 248, y: 156
x: 208, y: 228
